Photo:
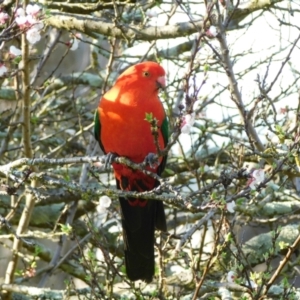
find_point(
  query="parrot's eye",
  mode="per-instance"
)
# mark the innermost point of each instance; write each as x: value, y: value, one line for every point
x: 146, y: 74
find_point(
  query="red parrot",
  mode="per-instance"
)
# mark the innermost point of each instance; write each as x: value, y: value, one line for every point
x: 121, y: 129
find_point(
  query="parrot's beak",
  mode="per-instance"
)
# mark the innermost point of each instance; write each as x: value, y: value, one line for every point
x: 161, y: 82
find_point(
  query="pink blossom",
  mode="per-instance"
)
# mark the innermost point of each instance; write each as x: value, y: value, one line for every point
x: 3, y: 17
x: 33, y: 34
x: 231, y: 276
x: 283, y: 110
x: 39, y: 25
x: 20, y: 12
x: 98, y: 164
x: 31, y: 20
x: 25, y: 21
x: 33, y: 10
x: 74, y: 42
x: 212, y: 31
x: 21, y: 21
x: 14, y: 51
x: 3, y: 69
x: 150, y: 13
x: 30, y: 272
x: 78, y: 35
x: 257, y: 177
x: 188, y: 123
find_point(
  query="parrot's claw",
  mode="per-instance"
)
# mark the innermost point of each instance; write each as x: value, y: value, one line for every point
x: 109, y: 159
x: 152, y: 160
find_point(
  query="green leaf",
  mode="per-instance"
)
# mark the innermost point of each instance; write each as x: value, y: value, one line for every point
x: 228, y: 237
x: 19, y: 273
x: 33, y: 264
x: 34, y: 120
x: 66, y: 228
x: 206, y: 68
x: 240, y: 201
x: 37, y: 250
x: 169, y: 171
x: 149, y: 117
x: 283, y: 245
x: 17, y: 59
x: 285, y: 282
x: 47, y: 13
x: 214, y: 195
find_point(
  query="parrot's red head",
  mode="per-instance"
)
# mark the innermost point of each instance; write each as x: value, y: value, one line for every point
x: 149, y: 75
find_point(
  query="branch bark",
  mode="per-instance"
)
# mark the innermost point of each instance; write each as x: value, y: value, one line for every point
x: 91, y: 25
x: 26, y: 135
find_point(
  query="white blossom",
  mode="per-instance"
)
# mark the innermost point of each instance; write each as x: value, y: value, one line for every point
x: 253, y: 284
x: 20, y: 12
x: 14, y: 51
x: 257, y: 177
x: 70, y: 131
x: 188, y: 123
x: 74, y: 44
x: 176, y: 269
x: 31, y: 20
x: 21, y: 21
x: 26, y: 20
x: 231, y: 206
x: 33, y: 35
x: 104, y: 203
x: 151, y: 13
x: 33, y: 10
x: 3, y: 69
x: 231, y: 276
x: 212, y: 31
x: 78, y: 35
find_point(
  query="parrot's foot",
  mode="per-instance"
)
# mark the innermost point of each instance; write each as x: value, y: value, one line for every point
x: 152, y: 160
x: 109, y: 159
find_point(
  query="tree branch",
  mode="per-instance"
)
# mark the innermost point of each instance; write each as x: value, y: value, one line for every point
x: 91, y: 25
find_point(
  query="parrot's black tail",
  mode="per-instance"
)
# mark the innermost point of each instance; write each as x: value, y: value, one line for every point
x: 139, y: 224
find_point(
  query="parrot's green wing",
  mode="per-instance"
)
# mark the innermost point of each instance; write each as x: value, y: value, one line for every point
x: 97, y: 129
x: 165, y: 132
